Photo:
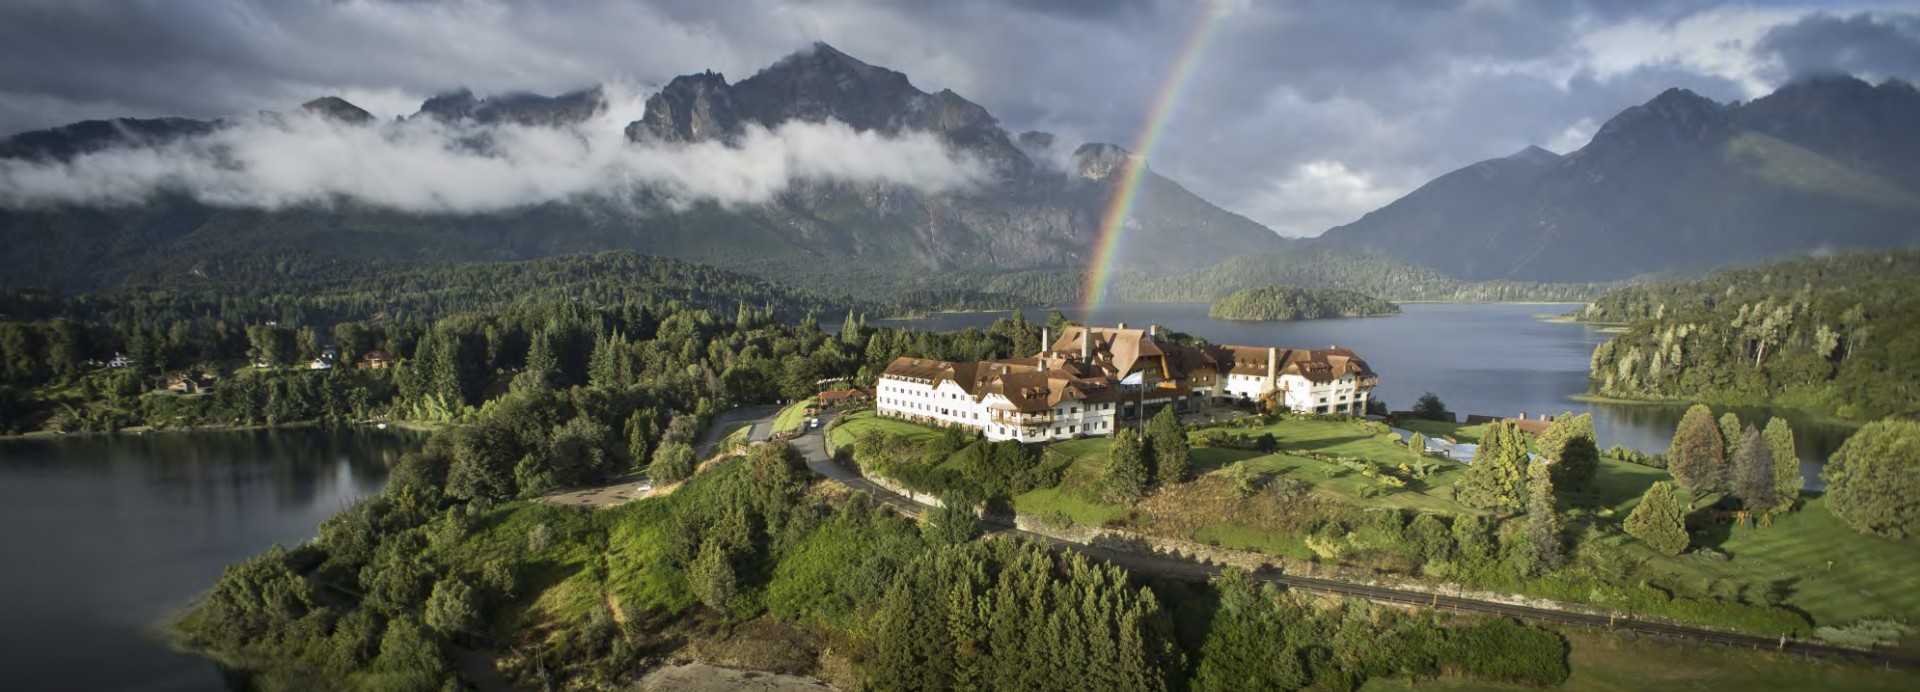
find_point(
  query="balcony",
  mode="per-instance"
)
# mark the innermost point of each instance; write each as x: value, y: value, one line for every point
x: 1022, y: 419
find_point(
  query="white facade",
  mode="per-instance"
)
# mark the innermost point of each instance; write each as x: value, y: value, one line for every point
x: 946, y: 404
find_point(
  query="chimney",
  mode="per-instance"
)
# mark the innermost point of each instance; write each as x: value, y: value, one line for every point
x: 1123, y: 325
x: 1523, y: 415
x: 1086, y: 344
x: 1153, y: 330
x: 1046, y: 339
x: 1273, y: 362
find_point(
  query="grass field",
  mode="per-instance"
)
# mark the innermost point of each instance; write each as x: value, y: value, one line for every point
x: 1603, y: 663
x: 854, y: 424
x: 1469, y: 434
x: 1870, y: 576
x: 791, y: 417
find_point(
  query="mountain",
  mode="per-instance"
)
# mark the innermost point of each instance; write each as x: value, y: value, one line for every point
x: 1033, y: 207
x: 1678, y: 183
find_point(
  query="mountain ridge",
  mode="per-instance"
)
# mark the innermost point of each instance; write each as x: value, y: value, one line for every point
x: 1679, y: 183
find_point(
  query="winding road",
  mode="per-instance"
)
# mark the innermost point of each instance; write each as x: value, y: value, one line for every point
x: 812, y: 446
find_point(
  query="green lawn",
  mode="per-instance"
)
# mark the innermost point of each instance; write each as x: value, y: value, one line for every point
x: 1603, y: 663
x: 1469, y: 434
x: 791, y: 417
x: 854, y: 424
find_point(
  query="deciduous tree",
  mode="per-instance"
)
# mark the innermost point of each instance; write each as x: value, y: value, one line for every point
x: 1698, y: 455
x: 1753, y: 472
x: 1575, y: 451
x: 1873, y: 481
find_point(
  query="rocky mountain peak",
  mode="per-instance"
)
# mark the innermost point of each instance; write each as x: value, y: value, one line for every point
x: 688, y: 109
x: 1675, y: 118
x: 1099, y: 160
x: 338, y: 109
x: 519, y: 108
x: 1533, y: 155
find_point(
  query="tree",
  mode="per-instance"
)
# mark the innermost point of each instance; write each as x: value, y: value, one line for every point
x: 1418, y: 445
x: 1495, y: 478
x: 1543, y: 516
x: 1698, y: 455
x: 453, y: 608
x: 1430, y: 407
x: 1787, y: 480
x: 1730, y: 432
x: 711, y: 575
x: 850, y: 330
x: 1173, y: 461
x: 951, y: 523
x: 409, y: 658
x: 1575, y: 451
x: 1126, y: 475
x: 1752, y: 480
x: 672, y: 462
x: 1659, y: 520
x: 1873, y: 481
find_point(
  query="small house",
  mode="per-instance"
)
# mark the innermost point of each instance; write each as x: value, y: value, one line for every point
x: 851, y: 395
x: 374, y: 360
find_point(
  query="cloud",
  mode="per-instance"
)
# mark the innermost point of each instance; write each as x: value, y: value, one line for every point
x: 1870, y: 45
x: 423, y: 165
x: 1394, y: 91
x: 1318, y: 195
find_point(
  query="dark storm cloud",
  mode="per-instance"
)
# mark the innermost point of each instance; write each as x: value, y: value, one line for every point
x: 1302, y: 114
x: 1866, y: 44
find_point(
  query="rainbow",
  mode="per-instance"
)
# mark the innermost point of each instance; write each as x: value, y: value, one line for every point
x: 1113, y: 219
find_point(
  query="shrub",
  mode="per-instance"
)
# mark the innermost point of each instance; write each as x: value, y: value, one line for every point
x: 1508, y: 651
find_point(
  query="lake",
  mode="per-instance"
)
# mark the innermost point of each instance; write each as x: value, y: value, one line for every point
x: 105, y: 536
x: 1493, y: 359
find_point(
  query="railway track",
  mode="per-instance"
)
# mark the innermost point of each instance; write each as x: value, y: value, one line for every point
x: 812, y: 447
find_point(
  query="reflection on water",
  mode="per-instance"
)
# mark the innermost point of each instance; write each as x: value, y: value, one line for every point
x: 1480, y: 358
x: 105, y: 535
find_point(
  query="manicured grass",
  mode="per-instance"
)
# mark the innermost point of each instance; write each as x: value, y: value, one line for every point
x: 854, y: 424
x: 1602, y: 662
x: 1469, y: 434
x: 791, y: 417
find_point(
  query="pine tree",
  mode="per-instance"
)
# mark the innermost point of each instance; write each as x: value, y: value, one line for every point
x: 711, y: 575
x: 1126, y: 475
x: 1173, y: 461
x: 1753, y: 480
x: 1659, y: 520
x: 1418, y: 445
x: 1543, y: 516
x: 1575, y: 451
x: 850, y: 330
x: 1730, y: 432
x: 1698, y: 455
x: 1495, y: 478
x: 1787, y: 480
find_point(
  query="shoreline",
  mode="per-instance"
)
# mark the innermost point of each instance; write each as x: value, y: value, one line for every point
x: 1806, y: 414
x: 414, y: 426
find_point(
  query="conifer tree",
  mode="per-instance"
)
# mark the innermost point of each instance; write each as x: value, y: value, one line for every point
x: 1575, y: 451
x: 1543, y: 516
x: 1173, y: 461
x: 1753, y: 480
x: 1787, y: 480
x: 850, y: 330
x: 1418, y: 445
x: 711, y: 575
x: 1126, y: 475
x: 1731, y: 432
x: 1659, y: 519
x: 1495, y: 478
x: 1698, y: 455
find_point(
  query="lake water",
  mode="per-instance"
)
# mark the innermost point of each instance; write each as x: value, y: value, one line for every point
x: 1493, y: 359
x: 104, y: 536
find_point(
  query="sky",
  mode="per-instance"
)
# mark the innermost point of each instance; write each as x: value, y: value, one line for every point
x: 1300, y: 114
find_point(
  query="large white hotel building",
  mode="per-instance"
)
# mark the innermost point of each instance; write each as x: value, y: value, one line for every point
x: 1092, y: 378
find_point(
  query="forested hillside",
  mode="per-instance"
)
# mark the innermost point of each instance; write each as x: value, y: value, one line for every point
x: 1659, y: 299
x: 1281, y: 302
x: 1851, y: 350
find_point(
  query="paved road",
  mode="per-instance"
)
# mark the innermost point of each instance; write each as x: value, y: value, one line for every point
x: 812, y: 446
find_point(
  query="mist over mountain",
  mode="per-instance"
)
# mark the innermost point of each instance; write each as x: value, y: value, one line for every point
x: 819, y: 158
x: 1678, y: 183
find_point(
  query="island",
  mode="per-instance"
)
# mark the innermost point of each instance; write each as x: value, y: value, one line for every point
x: 1282, y: 303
